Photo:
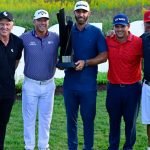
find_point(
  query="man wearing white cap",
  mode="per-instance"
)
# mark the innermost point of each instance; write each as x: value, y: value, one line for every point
x: 80, y: 90
x: 40, y: 53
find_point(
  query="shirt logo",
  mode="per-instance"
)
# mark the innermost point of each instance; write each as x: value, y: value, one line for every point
x: 5, y: 14
x: 32, y: 43
x: 12, y: 50
x: 50, y: 42
x: 120, y: 19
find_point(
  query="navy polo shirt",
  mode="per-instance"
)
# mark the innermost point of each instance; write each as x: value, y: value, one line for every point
x: 86, y: 44
x: 146, y: 55
x: 8, y: 56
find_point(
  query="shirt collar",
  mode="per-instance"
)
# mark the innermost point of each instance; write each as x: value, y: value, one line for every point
x: 34, y: 34
x: 85, y: 27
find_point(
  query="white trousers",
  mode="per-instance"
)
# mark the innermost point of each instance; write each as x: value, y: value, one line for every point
x: 37, y: 97
x: 145, y: 104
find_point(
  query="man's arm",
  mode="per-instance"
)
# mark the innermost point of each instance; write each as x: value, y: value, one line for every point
x: 100, y: 58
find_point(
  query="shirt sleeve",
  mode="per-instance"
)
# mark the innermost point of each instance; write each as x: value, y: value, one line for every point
x: 101, y: 42
x: 20, y: 48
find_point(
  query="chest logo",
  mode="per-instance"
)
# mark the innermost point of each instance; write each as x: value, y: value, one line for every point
x: 50, y: 42
x: 12, y: 50
x: 32, y: 43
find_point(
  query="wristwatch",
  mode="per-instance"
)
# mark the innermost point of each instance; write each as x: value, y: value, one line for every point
x: 85, y: 63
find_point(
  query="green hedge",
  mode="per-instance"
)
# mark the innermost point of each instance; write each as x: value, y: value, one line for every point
x: 101, y: 79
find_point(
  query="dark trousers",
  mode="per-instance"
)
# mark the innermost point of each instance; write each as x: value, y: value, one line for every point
x: 5, y: 110
x: 86, y: 101
x: 123, y: 101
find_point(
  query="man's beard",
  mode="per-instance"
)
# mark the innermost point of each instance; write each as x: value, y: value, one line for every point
x: 83, y: 21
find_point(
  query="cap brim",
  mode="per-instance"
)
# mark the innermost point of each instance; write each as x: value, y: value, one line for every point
x: 6, y: 18
x: 121, y: 23
x: 83, y: 8
x: 35, y: 18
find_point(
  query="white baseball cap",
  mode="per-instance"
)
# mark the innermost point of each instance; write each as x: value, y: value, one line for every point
x: 82, y: 5
x: 41, y: 14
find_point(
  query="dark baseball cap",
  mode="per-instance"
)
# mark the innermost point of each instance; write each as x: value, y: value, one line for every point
x: 120, y: 19
x: 6, y: 15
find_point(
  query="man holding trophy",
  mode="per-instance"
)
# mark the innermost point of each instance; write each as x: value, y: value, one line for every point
x: 88, y: 49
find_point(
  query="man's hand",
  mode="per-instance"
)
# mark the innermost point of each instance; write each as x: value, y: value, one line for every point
x: 110, y: 33
x: 79, y: 65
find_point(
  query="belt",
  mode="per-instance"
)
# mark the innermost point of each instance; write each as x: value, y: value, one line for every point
x: 123, y: 85
x: 147, y: 82
x: 39, y: 82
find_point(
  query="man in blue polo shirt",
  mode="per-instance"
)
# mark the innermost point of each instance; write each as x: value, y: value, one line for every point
x: 40, y: 52
x: 80, y: 83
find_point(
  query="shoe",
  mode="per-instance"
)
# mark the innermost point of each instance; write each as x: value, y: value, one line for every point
x: 148, y: 148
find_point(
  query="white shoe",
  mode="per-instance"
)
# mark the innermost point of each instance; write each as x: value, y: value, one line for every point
x: 148, y: 148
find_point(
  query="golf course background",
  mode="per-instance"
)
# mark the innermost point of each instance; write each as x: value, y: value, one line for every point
x: 102, y: 11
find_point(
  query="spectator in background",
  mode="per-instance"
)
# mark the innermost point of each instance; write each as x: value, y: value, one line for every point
x: 40, y: 53
x: 124, y: 87
x: 10, y: 53
x: 145, y: 104
x: 80, y: 90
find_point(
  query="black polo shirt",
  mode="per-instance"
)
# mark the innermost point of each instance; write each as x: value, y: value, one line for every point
x: 146, y: 52
x: 8, y: 56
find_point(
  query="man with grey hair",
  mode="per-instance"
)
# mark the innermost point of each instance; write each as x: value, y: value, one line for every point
x: 40, y: 53
x: 10, y: 53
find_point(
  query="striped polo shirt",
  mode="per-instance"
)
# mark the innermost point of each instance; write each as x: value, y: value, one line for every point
x: 40, y: 55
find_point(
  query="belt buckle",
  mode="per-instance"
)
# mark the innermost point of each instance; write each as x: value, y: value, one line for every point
x: 42, y: 82
x: 122, y: 85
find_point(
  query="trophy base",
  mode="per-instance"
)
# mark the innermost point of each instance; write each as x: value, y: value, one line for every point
x: 65, y: 65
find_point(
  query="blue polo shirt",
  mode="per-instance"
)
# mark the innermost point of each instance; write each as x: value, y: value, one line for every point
x: 40, y: 55
x: 86, y: 44
x: 146, y: 55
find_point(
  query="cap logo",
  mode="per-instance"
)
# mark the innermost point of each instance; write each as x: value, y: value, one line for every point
x: 120, y: 19
x: 78, y: 5
x: 5, y: 13
x: 42, y: 12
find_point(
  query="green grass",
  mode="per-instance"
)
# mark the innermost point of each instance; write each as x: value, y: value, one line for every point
x: 58, y: 136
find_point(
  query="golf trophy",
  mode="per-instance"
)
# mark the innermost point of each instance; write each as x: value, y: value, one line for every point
x: 66, y: 51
